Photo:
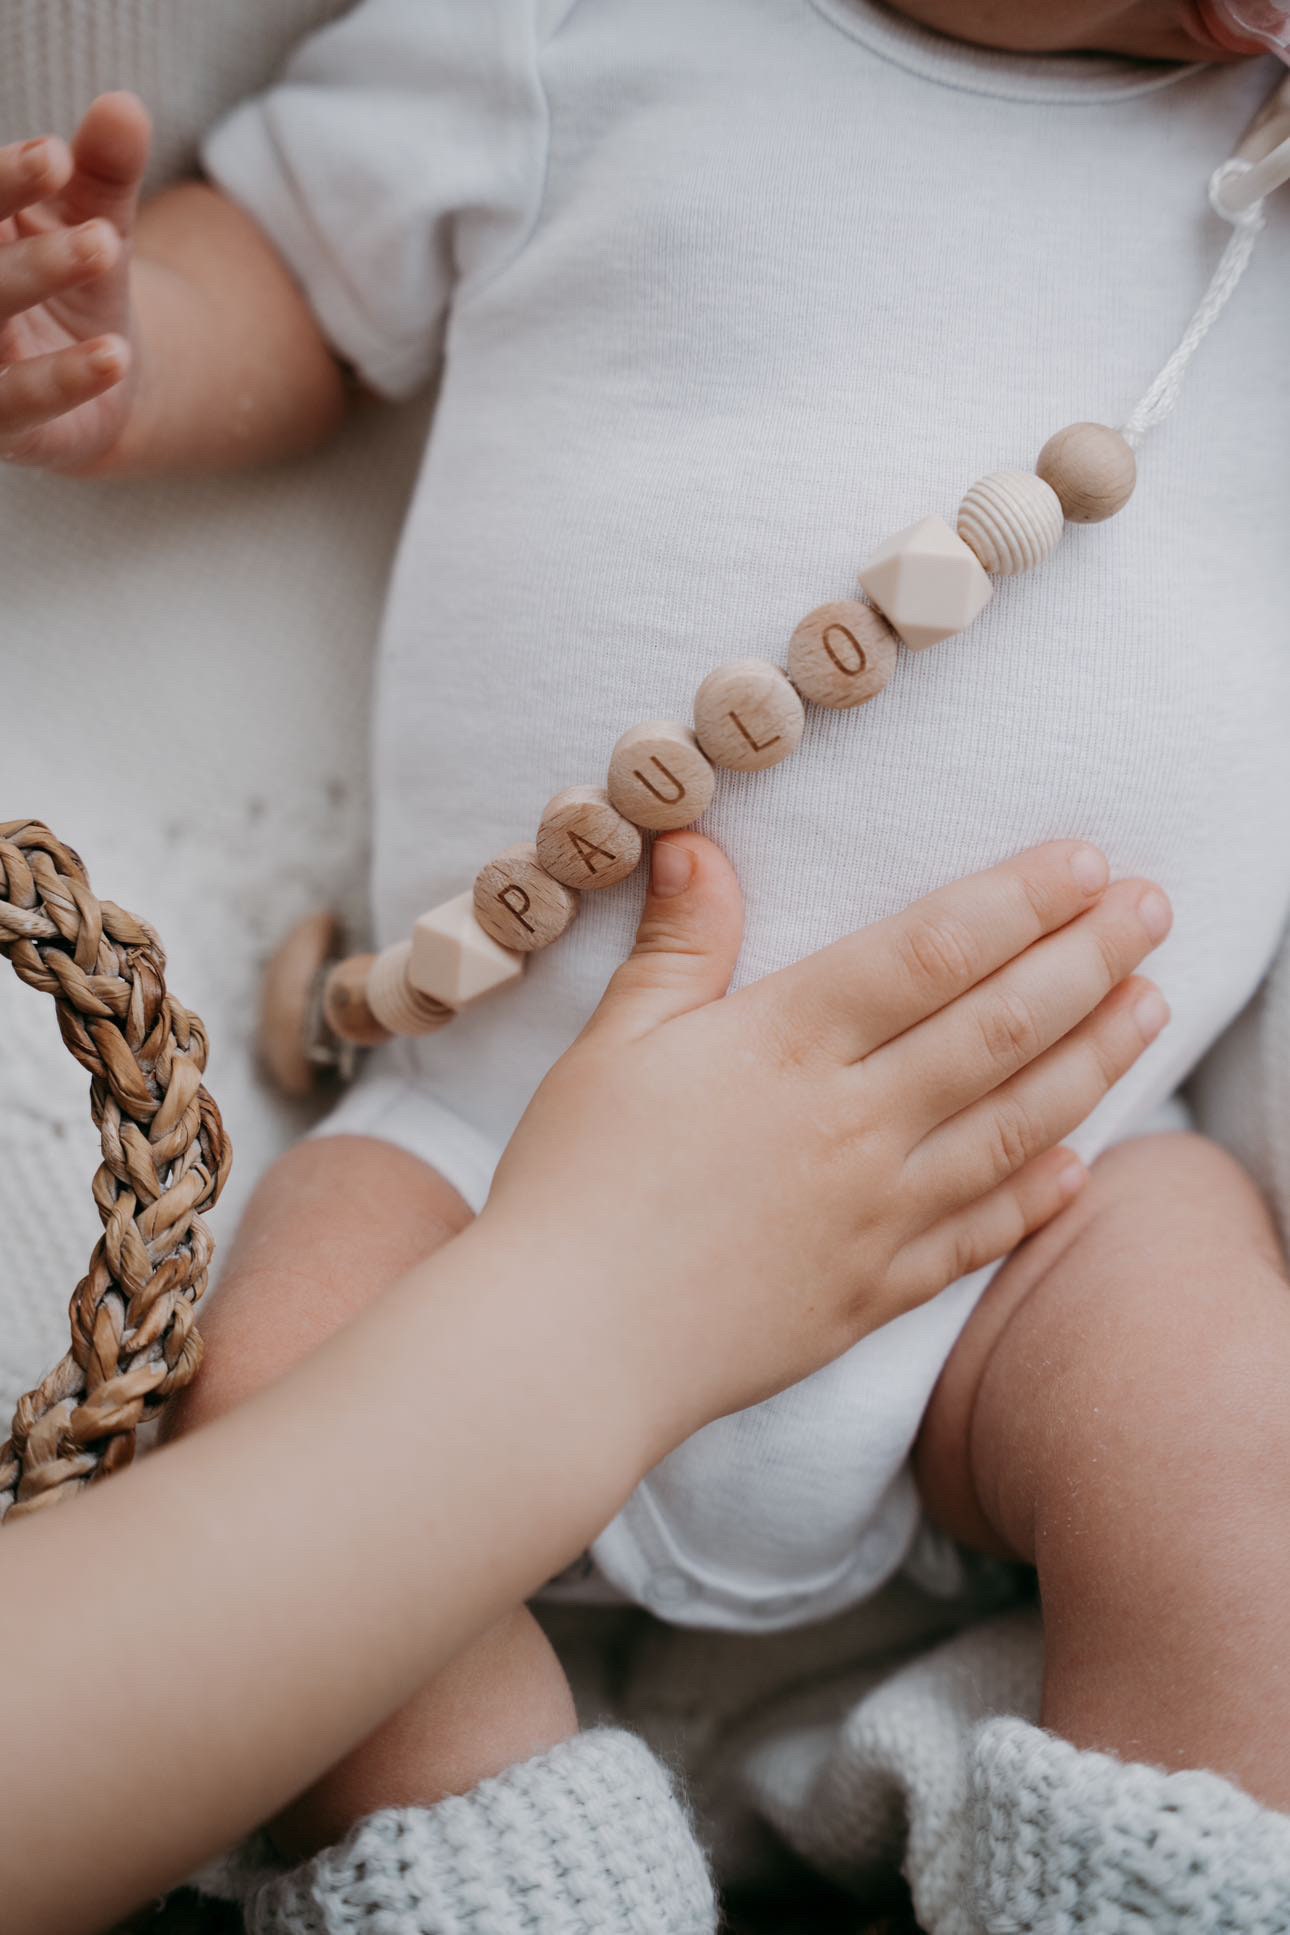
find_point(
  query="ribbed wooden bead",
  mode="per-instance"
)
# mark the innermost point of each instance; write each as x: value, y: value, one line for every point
x: 394, y: 1001
x: 346, y: 1008
x: 518, y: 903
x: 658, y: 778
x: 1091, y: 468
x: 747, y: 716
x: 585, y: 841
x: 1013, y: 520
x: 842, y: 654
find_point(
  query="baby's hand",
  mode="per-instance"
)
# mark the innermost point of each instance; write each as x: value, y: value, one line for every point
x: 67, y: 362
x: 739, y: 1189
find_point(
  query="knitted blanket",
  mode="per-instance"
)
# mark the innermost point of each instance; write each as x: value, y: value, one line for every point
x: 187, y: 668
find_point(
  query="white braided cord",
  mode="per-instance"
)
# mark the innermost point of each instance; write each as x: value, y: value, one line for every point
x: 1247, y: 225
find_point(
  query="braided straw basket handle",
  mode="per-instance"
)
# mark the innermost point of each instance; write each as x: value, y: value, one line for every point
x: 165, y: 1160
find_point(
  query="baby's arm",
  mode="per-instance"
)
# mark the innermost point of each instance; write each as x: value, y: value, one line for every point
x: 171, y: 338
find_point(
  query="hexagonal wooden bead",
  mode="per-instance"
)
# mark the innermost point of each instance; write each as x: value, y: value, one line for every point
x: 585, y: 841
x: 520, y: 904
x: 1012, y: 520
x: 1091, y: 468
x: 747, y: 716
x: 393, y: 1000
x: 346, y: 1008
x: 928, y: 582
x: 658, y: 778
x: 453, y: 960
x: 842, y: 654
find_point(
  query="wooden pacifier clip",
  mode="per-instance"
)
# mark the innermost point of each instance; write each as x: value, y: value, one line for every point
x: 924, y: 585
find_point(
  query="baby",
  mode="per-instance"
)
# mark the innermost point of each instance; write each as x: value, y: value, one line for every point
x: 721, y: 293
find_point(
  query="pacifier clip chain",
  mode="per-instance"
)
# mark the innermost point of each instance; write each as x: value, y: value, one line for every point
x: 924, y: 585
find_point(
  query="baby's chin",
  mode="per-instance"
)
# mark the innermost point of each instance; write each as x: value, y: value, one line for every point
x: 1170, y: 30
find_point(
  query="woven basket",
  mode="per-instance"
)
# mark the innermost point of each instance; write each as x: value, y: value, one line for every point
x: 134, y: 1340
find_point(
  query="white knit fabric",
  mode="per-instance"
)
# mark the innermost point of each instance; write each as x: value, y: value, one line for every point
x: 856, y: 1786
x: 588, y: 1839
x: 859, y: 1763
x: 698, y: 363
x: 1066, y: 1841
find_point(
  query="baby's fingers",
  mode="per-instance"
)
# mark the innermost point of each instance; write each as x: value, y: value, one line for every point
x: 975, y: 1151
x: 32, y: 394
x: 43, y: 266
x: 995, y: 1226
x: 870, y: 987
x: 110, y: 153
x: 32, y: 171
x: 985, y: 1037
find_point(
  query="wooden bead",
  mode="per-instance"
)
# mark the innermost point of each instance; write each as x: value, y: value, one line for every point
x: 1013, y: 520
x: 584, y: 840
x: 1091, y: 468
x: 288, y: 1003
x: 520, y: 904
x: 453, y: 960
x: 842, y: 654
x: 928, y: 582
x: 747, y: 716
x: 658, y: 778
x: 396, y: 1004
x: 345, y: 1006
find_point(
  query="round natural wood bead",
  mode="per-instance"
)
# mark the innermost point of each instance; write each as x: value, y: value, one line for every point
x: 658, y: 778
x: 396, y: 1004
x: 288, y: 1003
x: 1091, y: 468
x: 585, y: 842
x: 519, y: 904
x: 842, y: 654
x: 747, y: 716
x: 1013, y: 520
x: 345, y: 1005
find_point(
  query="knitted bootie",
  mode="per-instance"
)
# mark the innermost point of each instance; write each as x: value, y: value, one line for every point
x: 1071, y: 1843
x: 588, y: 1839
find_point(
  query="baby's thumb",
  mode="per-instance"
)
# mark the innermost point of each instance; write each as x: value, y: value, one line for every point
x: 687, y: 941
x: 111, y: 153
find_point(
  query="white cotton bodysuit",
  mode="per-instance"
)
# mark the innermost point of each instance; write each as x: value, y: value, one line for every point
x: 723, y: 292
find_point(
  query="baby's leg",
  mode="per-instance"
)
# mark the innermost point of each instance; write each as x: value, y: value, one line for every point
x: 334, y: 1223
x: 1117, y: 1414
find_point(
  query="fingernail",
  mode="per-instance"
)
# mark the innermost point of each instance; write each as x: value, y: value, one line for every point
x: 1090, y: 869
x: 1151, y: 1015
x: 35, y: 159
x: 1072, y: 1179
x: 106, y: 359
x: 1156, y: 915
x: 671, y: 869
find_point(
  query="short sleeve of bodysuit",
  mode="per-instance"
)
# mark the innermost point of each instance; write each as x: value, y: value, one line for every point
x: 401, y: 154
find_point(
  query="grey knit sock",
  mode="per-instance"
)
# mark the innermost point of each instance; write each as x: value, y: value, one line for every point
x: 588, y: 1839
x: 1068, y: 1841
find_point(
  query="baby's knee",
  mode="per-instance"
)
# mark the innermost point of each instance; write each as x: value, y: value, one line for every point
x: 332, y: 1224
x: 1150, y: 1361
x: 247, y: 1342
x: 1179, y: 1189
